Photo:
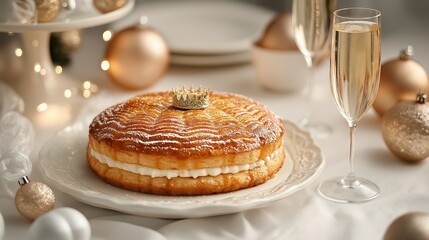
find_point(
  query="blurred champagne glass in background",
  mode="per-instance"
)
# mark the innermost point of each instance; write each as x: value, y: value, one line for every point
x: 311, y: 20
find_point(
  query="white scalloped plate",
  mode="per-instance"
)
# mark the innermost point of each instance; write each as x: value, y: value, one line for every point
x: 63, y: 165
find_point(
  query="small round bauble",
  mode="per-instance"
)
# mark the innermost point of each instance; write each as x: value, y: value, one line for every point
x: 279, y: 34
x: 34, y: 199
x: 413, y: 226
x: 106, y: 6
x: 47, y: 10
x: 400, y: 79
x: 70, y: 40
x: 138, y: 57
x: 61, y: 223
x: 405, y: 129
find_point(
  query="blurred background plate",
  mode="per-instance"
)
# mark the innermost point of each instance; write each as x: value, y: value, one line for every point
x: 210, y: 60
x: 203, y: 27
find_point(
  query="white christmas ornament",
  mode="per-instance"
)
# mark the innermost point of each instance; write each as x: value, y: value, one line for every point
x: 61, y: 224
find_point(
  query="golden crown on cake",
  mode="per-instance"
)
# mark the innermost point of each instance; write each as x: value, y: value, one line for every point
x: 190, y: 98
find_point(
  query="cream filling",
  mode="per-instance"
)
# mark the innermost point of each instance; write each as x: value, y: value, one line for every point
x: 171, y: 173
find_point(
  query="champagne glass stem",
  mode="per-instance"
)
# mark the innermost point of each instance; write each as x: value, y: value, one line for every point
x: 350, y: 179
x: 309, y: 92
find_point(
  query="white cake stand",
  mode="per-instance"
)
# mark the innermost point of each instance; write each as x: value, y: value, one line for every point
x: 41, y: 88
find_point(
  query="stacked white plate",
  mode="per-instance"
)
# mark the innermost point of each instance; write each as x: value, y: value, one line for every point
x: 204, y: 33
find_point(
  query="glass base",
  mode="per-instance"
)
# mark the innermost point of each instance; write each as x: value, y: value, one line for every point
x: 343, y: 190
x: 317, y: 129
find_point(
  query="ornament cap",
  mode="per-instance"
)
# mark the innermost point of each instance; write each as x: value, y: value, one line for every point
x: 421, y: 98
x: 187, y: 99
x: 24, y: 180
x: 406, y: 53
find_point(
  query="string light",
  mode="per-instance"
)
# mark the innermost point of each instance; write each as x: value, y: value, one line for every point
x: 86, y: 93
x: 107, y: 35
x: 94, y: 88
x: 18, y: 52
x: 35, y: 43
x: 67, y: 93
x: 58, y: 69
x: 87, y: 85
x: 42, y: 107
x: 43, y: 72
x: 105, y: 65
x: 37, y: 67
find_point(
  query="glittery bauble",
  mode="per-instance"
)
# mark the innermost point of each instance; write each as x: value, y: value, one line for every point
x: 33, y: 199
x: 413, y: 226
x: 47, y: 10
x: 106, y: 6
x: 71, y: 40
x: 400, y: 79
x: 138, y: 57
x: 405, y: 129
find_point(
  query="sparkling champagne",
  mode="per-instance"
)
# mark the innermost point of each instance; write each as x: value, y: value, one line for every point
x: 312, y: 22
x: 355, y: 67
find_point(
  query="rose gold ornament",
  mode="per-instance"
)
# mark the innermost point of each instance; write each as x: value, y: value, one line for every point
x: 106, y: 6
x: 47, y: 10
x: 400, y: 79
x: 138, y: 57
x: 33, y: 199
x: 279, y: 34
x: 413, y: 226
x: 405, y: 129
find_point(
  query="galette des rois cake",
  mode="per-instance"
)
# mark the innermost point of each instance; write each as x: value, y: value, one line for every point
x: 186, y: 142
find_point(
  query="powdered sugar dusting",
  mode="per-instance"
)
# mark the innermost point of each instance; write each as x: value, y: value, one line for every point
x: 148, y: 123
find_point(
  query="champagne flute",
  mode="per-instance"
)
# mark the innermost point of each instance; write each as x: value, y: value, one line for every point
x: 311, y: 20
x: 355, y: 76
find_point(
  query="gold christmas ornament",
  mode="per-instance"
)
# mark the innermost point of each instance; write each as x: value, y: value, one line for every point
x: 106, y: 6
x: 47, y: 10
x: 71, y: 40
x: 279, y: 34
x: 138, y: 56
x: 405, y: 129
x: 413, y: 226
x: 400, y: 79
x: 189, y: 99
x: 33, y: 199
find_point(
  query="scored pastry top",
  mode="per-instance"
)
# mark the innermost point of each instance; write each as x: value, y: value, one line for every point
x: 150, y: 124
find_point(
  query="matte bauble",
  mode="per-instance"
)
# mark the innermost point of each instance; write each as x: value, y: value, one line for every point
x: 138, y: 57
x: 409, y: 226
x: 47, y: 10
x: 279, y: 34
x: 34, y: 199
x: 400, y: 79
x: 106, y: 6
x: 61, y: 223
x: 71, y: 40
x: 405, y: 129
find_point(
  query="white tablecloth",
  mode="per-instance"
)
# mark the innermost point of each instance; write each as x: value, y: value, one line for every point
x: 303, y: 215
